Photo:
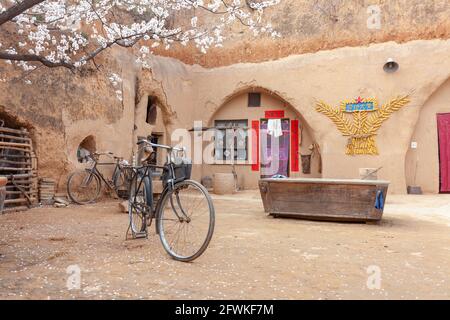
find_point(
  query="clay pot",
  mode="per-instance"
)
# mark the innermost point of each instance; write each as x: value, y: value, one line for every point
x: 224, y: 183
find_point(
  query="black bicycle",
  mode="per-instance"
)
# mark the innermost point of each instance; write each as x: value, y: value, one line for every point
x: 184, y: 212
x: 83, y: 186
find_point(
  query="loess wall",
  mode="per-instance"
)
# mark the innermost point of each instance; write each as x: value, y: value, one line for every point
x: 62, y: 109
x: 309, y: 26
x: 331, y: 76
x: 327, y: 53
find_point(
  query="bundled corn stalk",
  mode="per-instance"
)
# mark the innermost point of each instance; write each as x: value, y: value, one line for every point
x: 18, y: 164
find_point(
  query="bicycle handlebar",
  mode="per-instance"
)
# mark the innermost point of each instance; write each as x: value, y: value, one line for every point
x: 162, y: 146
x: 106, y: 153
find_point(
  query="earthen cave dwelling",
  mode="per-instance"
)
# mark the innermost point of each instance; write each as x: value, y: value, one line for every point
x: 332, y: 58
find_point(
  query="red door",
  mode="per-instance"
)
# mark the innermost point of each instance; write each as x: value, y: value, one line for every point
x: 444, y: 150
x: 274, y: 150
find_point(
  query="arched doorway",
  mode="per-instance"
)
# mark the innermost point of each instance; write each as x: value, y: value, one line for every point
x: 18, y: 162
x: 150, y: 122
x: 248, y: 125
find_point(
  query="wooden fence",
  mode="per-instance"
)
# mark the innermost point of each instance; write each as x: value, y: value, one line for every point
x: 18, y: 163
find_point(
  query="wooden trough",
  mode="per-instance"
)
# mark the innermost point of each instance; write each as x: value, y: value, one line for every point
x: 324, y: 199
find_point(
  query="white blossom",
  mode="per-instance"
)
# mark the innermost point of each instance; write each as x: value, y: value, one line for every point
x: 194, y: 22
x: 115, y: 79
x: 73, y: 32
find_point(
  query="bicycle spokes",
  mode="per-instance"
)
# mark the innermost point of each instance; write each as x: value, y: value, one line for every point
x: 186, y: 221
x: 178, y: 208
x: 83, y: 187
x: 137, y: 208
x: 87, y: 180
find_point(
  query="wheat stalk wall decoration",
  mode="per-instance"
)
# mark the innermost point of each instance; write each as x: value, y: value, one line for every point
x: 367, y: 119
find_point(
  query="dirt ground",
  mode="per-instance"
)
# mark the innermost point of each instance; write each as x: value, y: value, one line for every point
x: 251, y: 256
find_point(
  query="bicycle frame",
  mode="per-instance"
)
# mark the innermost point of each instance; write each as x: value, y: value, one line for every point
x: 169, y: 186
x: 170, y: 209
x: 94, y: 170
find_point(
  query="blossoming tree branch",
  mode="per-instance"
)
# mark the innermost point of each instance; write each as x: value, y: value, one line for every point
x: 70, y: 33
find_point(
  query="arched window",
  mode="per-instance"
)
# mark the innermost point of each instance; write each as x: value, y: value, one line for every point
x: 86, y: 147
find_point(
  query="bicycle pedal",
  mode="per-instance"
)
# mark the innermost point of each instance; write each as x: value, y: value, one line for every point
x: 139, y: 235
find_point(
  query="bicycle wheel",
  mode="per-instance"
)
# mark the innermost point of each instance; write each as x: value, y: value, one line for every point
x: 185, y: 220
x: 83, y: 187
x: 139, y: 203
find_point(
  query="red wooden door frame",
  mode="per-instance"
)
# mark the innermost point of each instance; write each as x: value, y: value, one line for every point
x: 255, y: 145
x: 295, y: 140
x: 293, y: 148
x: 290, y: 140
x: 443, y: 127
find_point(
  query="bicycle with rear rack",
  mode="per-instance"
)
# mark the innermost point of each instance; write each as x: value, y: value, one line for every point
x: 84, y: 186
x: 184, y: 212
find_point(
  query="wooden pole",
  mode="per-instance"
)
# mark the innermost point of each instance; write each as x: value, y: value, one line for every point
x: 15, y: 209
x: 15, y: 144
x: 11, y: 137
x: 15, y: 148
x: 14, y: 131
x: 24, y: 163
x: 18, y: 200
x: 14, y: 156
x: 14, y: 169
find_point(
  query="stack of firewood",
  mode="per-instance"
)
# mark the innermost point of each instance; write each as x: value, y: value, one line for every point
x: 19, y: 164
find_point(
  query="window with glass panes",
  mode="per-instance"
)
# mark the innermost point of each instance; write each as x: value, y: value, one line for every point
x: 231, y: 140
